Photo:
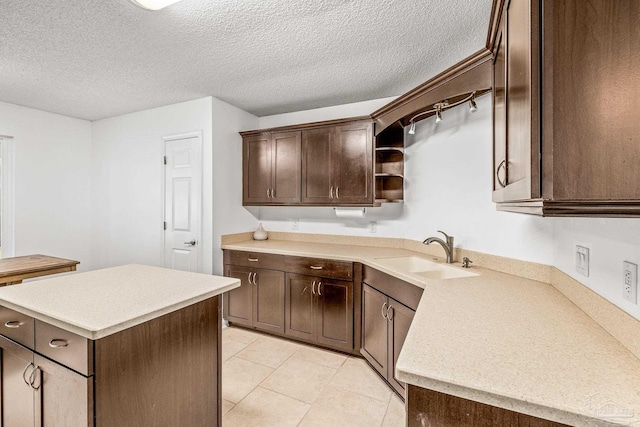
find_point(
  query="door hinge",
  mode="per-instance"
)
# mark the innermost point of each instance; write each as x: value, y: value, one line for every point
x: 164, y: 225
x: 165, y: 160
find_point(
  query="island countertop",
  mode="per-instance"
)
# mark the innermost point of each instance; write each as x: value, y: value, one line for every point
x: 99, y: 303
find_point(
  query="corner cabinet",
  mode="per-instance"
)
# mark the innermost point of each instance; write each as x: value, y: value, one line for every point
x: 566, y: 88
x: 388, y: 307
x: 316, y: 164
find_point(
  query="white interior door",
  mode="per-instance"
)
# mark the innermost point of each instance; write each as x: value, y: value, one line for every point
x: 183, y: 202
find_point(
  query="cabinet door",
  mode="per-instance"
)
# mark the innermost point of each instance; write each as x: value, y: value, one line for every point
x: 374, y: 328
x: 268, y: 300
x: 521, y: 168
x: 352, y: 155
x: 257, y: 169
x: 317, y: 175
x: 19, y: 403
x: 299, y: 311
x: 499, y: 116
x: 67, y: 397
x: 400, y: 318
x: 334, y: 314
x: 238, y: 302
x: 286, y: 167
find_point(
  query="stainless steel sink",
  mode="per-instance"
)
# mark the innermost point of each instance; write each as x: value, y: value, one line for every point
x: 425, y: 268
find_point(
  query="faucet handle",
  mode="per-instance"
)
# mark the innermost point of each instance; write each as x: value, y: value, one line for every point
x: 465, y: 262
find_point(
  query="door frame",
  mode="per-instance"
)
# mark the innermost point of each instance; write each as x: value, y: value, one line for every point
x: 7, y: 226
x: 163, y: 150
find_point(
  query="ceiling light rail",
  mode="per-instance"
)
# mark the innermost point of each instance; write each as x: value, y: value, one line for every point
x: 443, y: 105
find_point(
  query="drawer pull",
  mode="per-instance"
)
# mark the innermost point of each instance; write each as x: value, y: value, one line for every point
x: 253, y: 259
x: 316, y: 267
x: 14, y: 324
x: 57, y: 343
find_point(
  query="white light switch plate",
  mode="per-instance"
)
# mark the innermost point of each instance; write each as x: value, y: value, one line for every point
x: 630, y: 281
x: 582, y: 260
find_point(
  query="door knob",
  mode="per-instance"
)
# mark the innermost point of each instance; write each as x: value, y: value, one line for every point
x: 191, y: 243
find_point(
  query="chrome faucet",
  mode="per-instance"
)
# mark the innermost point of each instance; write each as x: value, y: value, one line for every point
x: 447, y: 246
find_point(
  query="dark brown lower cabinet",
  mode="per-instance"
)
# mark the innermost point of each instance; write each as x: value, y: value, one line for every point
x: 259, y: 301
x: 20, y: 404
x: 320, y: 310
x: 431, y: 408
x: 385, y: 326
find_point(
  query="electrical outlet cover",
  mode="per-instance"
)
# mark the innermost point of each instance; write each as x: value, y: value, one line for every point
x: 582, y: 260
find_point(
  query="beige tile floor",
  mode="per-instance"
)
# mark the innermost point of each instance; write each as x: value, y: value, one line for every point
x: 268, y: 381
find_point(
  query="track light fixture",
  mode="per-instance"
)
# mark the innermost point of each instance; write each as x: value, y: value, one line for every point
x: 412, y: 129
x: 439, y: 107
x: 438, y: 115
x: 473, y: 107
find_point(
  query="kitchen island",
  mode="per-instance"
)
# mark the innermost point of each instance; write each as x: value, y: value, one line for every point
x: 123, y: 346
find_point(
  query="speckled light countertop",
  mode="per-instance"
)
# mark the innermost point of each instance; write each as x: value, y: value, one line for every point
x: 502, y: 340
x: 102, y: 302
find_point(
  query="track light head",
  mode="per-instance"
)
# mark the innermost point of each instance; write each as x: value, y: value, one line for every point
x: 438, y: 115
x: 473, y: 107
x: 412, y: 129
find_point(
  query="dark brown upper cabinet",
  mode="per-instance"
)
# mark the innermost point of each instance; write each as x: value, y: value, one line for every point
x: 315, y: 164
x: 337, y: 164
x: 566, y: 93
x: 271, y: 168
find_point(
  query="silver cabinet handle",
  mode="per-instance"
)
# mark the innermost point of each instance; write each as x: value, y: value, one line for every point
x: 268, y: 193
x: 273, y: 193
x: 337, y: 192
x: 500, y: 166
x: 249, y: 277
x: 313, y: 287
x: 316, y: 267
x: 24, y: 373
x: 384, y: 311
x: 58, y: 343
x: 33, y: 376
x: 14, y: 324
x: 191, y: 242
x: 390, y: 313
x: 319, y: 293
x: 255, y: 276
x: 331, y: 192
x: 252, y: 259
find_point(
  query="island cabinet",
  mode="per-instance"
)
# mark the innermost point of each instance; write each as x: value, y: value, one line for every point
x: 566, y: 86
x: 307, y: 299
x: 314, y: 164
x: 162, y: 372
x: 388, y: 307
x: 271, y: 168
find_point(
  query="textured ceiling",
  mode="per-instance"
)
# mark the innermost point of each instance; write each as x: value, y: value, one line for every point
x: 100, y: 58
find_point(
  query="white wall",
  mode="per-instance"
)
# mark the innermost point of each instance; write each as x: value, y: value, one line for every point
x: 229, y: 216
x: 52, y: 183
x: 127, y: 185
x: 448, y: 172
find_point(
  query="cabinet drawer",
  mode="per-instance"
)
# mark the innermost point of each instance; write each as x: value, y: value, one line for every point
x: 254, y: 259
x: 65, y: 347
x: 320, y: 267
x: 17, y: 326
